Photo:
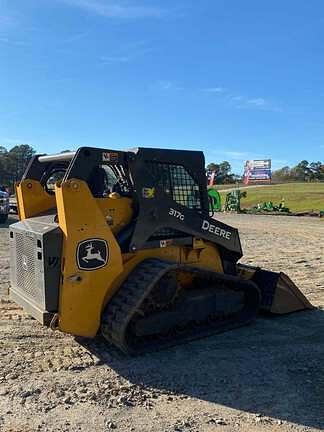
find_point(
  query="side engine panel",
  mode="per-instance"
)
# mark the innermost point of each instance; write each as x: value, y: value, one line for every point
x: 35, y: 255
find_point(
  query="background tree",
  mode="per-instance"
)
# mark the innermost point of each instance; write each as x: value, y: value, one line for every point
x: 302, y: 172
x: 13, y: 164
x: 317, y: 171
x: 222, y: 172
x: 282, y: 174
x: 212, y: 167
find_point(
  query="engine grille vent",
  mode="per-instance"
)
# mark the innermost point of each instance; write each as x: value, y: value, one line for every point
x: 35, y: 251
x: 26, y: 276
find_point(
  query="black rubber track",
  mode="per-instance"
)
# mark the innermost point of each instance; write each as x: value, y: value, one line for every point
x: 139, y: 284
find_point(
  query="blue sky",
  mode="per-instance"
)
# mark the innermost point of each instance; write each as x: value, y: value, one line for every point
x: 237, y: 79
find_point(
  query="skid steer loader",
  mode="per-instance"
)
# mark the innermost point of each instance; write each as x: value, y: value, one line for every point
x: 121, y: 242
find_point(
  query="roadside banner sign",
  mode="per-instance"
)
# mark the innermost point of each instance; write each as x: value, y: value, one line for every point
x: 257, y: 171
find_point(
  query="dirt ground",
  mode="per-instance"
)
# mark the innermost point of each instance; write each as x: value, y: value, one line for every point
x: 268, y: 376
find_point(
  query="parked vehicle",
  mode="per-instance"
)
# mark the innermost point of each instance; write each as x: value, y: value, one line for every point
x: 4, y: 206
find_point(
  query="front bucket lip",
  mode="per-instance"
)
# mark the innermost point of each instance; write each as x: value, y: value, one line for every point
x: 294, y: 291
x: 280, y: 295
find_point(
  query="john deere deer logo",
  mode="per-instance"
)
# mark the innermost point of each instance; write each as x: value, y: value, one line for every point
x: 92, y: 254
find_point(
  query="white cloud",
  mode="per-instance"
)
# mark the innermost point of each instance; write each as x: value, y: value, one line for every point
x: 166, y: 85
x: 7, y: 41
x: 241, y: 102
x: 126, y: 53
x: 236, y: 98
x: 115, y: 59
x: 255, y: 103
x: 258, y: 102
x: 236, y: 155
x: 232, y: 100
x: 239, y: 155
x: 6, y: 21
x: 114, y: 9
x: 76, y: 37
x: 214, y: 90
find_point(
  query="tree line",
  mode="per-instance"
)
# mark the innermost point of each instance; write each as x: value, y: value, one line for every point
x: 222, y: 173
x: 304, y: 171
x: 13, y: 163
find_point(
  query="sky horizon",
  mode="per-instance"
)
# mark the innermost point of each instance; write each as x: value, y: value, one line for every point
x: 238, y: 81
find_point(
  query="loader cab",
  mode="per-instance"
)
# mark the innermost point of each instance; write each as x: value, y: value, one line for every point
x: 147, y: 196
x: 105, y: 180
x: 53, y: 177
x: 178, y: 175
x: 102, y: 180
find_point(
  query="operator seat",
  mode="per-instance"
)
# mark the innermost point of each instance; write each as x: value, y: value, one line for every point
x: 98, y: 182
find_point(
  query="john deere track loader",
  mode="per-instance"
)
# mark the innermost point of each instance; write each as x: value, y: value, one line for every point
x: 122, y: 243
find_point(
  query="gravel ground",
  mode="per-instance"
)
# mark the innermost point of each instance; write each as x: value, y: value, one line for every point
x: 268, y: 376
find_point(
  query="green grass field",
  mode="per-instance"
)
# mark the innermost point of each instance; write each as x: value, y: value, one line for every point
x: 298, y: 197
x: 220, y: 187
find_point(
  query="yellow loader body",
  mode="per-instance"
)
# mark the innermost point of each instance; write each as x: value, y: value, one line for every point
x: 141, y: 260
